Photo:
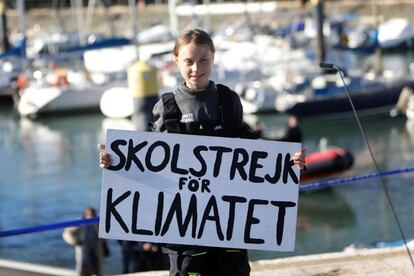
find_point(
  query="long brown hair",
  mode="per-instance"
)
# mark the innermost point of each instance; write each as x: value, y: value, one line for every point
x: 196, y: 36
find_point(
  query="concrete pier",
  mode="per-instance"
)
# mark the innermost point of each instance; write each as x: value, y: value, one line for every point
x: 9, y: 267
x: 362, y: 262
x: 352, y: 262
x: 379, y: 262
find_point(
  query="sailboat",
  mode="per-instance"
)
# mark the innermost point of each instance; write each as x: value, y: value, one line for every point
x: 320, y: 92
x: 68, y: 84
x: 13, y: 60
x: 68, y: 91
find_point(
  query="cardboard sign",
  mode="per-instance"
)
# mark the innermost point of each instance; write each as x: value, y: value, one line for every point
x: 199, y: 190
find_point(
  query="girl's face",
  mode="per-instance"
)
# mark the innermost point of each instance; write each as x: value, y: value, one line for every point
x: 195, y: 63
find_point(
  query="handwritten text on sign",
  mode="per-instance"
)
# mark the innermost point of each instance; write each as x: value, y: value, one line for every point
x: 198, y: 190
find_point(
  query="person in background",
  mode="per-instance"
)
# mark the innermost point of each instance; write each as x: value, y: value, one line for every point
x: 292, y: 133
x: 201, y: 107
x: 130, y: 256
x: 89, y: 249
x: 257, y: 129
x: 141, y: 256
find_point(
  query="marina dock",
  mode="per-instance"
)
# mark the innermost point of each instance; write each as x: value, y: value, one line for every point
x: 355, y: 262
x: 9, y: 267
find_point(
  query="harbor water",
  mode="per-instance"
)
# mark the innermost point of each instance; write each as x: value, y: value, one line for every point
x: 49, y: 173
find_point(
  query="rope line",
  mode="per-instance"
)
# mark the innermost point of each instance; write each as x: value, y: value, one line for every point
x: 339, y: 181
x: 46, y: 227
x: 302, y: 188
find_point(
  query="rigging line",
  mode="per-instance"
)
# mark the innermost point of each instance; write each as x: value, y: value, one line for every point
x: 337, y: 68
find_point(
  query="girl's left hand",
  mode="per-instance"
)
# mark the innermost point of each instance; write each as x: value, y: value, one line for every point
x: 299, y: 158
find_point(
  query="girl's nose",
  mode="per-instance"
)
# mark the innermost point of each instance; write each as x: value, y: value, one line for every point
x: 194, y: 66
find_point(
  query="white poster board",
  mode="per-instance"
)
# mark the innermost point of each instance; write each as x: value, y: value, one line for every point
x: 199, y: 190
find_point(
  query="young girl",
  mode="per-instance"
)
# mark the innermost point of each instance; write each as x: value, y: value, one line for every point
x: 199, y: 106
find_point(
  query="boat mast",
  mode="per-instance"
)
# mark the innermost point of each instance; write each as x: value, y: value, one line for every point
x: 89, y: 16
x: 134, y: 25
x: 22, y: 26
x: 207, y: 16
x: 108, y: 16
x: 22, y: 18
x: 4, y: 40
x: 58, y: 5
x: 172, y: 4
x: 378, y: 52
x: 77, y: 9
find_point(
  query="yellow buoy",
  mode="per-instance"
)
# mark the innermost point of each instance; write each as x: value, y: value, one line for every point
x: 142, y: 80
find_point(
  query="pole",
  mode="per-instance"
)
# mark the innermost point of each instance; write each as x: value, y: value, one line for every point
x: 22, y: 26
x: 319, y: 16
x: 173, y: 17
x: 378, y: 52
x: 89, y: 15
x: 4, y: 40
x: 108, y: 17
x: 207, y: 16
x: 77, y: 9
x: 22, y: 18
x: 134, y: 25
x: 58, y: 5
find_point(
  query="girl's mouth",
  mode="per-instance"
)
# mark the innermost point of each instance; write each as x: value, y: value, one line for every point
x: 196, y: 77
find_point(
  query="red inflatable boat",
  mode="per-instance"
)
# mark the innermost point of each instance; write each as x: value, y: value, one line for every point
x: 326, y: 163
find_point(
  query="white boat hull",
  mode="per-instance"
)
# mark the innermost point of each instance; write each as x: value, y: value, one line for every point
x: 41, y: 100
x: 395, y: 32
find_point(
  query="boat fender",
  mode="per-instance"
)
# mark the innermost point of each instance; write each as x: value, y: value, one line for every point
x: 61, y: 77
x: 22, y: 82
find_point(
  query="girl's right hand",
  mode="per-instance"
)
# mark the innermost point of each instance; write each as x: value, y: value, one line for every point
x: 105, y: 159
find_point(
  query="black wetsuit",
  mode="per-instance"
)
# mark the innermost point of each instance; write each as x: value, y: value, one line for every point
x: 214, y: 111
